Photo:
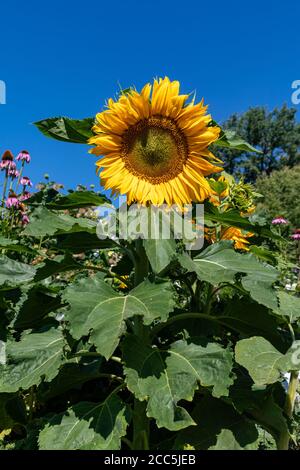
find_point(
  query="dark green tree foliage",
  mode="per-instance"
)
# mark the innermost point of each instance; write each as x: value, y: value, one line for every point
x: 281, y: 194
x: 276, y: 133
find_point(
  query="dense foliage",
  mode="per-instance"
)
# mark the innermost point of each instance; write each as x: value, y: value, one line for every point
x: 139, y: 344
x: 143, y: 343
x: 281, y: 194
x: 276, y: 133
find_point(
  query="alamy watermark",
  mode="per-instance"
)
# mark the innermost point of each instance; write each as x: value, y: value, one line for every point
x: 2, y: 92
x: 153, y: 222
x: 2, y: 353
x: 296, y: 94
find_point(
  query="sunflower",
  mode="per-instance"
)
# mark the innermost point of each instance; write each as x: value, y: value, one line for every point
x: 230, y: 233
x: 155, y: 146
x: 239, y: 238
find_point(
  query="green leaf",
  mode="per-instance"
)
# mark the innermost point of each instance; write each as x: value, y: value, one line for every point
x: 7, y: 241
x: 166, y: 377
x: 263, y: 362
x: 260, y: 404
x: 46, y: 223
x: 65, y: 129
x: 77, y: 199
x: 289, y: 306
x: 35, y: 304
x: 71, y: 376
x: 35, y: 356
x: 232, y: 218
x: 226, y: 441
x: 218, y: 425
x: 87, y: 426
x: 96, y: 307
x: 160, y: 245
x: 14, y: 272
x: 263, y: 253
x: 13, y: 245
x: 220, y: 263
x: 80, y: 242
x: 160, y: 253
x: 261, y: 288
x: 230, y: 139
x: 250, y: 319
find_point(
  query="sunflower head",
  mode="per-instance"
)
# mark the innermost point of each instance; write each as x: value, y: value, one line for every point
x: 154, y: 146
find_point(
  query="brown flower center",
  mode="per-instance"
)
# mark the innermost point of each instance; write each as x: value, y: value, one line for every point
x: 154, y: 149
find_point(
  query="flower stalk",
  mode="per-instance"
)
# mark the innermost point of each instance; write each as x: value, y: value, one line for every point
x: 284, y: 439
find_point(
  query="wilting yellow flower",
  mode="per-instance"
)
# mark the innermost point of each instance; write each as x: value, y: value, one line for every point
x: 229, y: 233
x: 155, y: 146
x: 235, y: 234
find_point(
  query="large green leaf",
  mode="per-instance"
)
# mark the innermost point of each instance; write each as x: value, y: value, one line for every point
x: 166, y: 377
x: 34, y: 305
x: 71, y: 376
x: 79, y: 242
x: 259, y: 285
x: 218, y: 425
x: 46, y: 223
x: 6, y: 244
x: 76, y: 200
x: 231, y: 140
x: 160, y: 246
x: 250, y: 319
x: 160, y: 253
x: 263, y: 362
x: 226, y: 441
x: 14, y: 272
x: 87, y: 426
x: 35, y: 356
x: 233, y: 218
x: 220, y: 263
x: 65, y: 129
x: 96, y: 307
x: 289, y: 306
x: 260, y: 404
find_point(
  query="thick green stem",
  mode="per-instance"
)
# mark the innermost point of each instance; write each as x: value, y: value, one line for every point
x: 140, y: 420
x: 141, y: 263
x: 140, y: 426
x: 209, y: 299
x: 284, y: 439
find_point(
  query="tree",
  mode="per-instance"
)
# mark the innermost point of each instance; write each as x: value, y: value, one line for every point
x: 276, y: 133
x: 281, y: 194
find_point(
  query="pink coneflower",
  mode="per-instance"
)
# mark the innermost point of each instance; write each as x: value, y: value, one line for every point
x: 25, y: 219
x: 296, y: 234
x: 13, y: 173
x: 25, y: 195
x: 12, y: 200
x: 7, y: 165
x: 25, y: 181
x: 279, y: 221
x: 24, y: 156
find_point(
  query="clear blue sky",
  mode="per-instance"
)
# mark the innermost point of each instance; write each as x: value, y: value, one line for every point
x: 67, y: 57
